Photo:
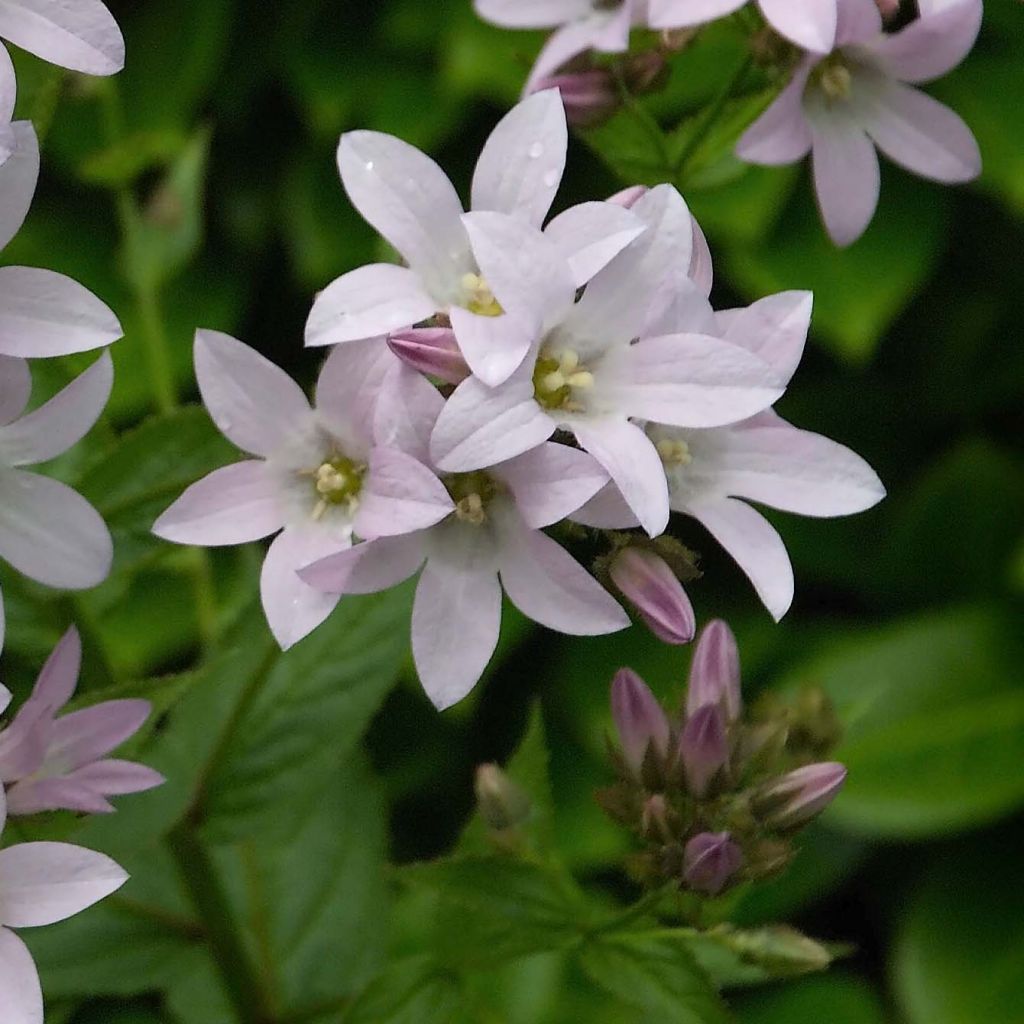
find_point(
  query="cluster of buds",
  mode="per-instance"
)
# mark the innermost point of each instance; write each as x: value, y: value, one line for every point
x: 717, y: 796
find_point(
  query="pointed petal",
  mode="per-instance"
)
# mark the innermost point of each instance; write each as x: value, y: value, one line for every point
x: 64, y: 420
x: 808, y: 23
x: 922, y: 135
x: 549, y: 586
x: 404, y: 195
x: 41, y: 883
x: 695, y: 378
x: 683, y: 13
x: 58, y: 677
x: 589, y: 236
x: 85, y: 736
x: 857, y: 21
x: 702, y: 271
x: 367, y: 568
x: 607, y: 510
x: 521, y: 164
x: 456, y: 616
x: 366, y: 303
x: 399, y: 495
x: 550, y: 482
x: 633, y: 464
x: 493, y: 346
x: 350, y: 384
x: 407, y: 409
x: 38, y: 796
x: 293, y: 608
x: 254, y: 403
x: 43, y: 313
x: 21, y: 998
x: 8, y: 98
x: 531, y: 13
x: 481, y: 426
x: 232, y: 505
x: 562, y: 45
x: 933, y: 44
x: 773, y: 328
x: 781, y: 134
x: 81, y: 36
x: 15, y: 387
x: 18, y: 176
x: 754, y: 544
x: 50, y: 533
x: 113, y: 777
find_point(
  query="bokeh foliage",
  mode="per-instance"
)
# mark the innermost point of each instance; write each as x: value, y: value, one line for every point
x: 199, y: 188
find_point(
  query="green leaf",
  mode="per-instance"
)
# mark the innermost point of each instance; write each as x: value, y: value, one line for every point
x: 120, y: 165
x: 413, y: 991
x: 959, y: 950
x: 656, y: 973
x: 935, y: 724
x: 836, y: 998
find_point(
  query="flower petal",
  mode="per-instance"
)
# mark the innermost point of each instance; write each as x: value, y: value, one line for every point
x: 15, y: 387
x: 633, y: 464
x: 773, y: 328
x: 50, y: 533
x: 21, y: 998
x: 781, y: 134
x: 18, y: 176
x: 561, y: 46
x: 550, y: 482
x: 522, y: 162
x: 531, y: 13
x: 350, y: 385
x: 293, y: 608
x: 64, y: 420
x: 37, y: 796
x: 683, y: 13
x: 58, y: 677
x: 456, y: 615
x: 404, y: 195
x: 81, y: 36
x: 399, y: 495
x: 481, y: 426
x: 922, y: 135
x: 367, y: 568
x: 754, y: 544
x: 87, y: 735
x: 8, y: 98
x: 702, y: 271
x: 254, y: 403
x: 549, y: 586
x: 808, y: 23
x: 43, y: 313
x: 933, y: 44
x: 366, y: 303
x: 589, y: 236
x: 493, y: 346
x: 407, y: 409
x: 607, y: 510
x: 42, y: 883
x: 687, y: 380
x: 113, y: 777
x: 857, y: 21
x: 232, y: 505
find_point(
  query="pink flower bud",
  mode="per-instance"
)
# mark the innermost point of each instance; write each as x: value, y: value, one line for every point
x: 794, y: 799
x: 590, y: 97
x: 703, y: 747
x: 639, y: 718
x: 710, y: 860
x: 628, y: 196
x: 431, y: 350
x: 715, y: 672
x: 646, y: 580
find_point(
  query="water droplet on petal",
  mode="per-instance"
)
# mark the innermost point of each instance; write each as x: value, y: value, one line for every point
x: 369, y: 165
x: 535, y: 151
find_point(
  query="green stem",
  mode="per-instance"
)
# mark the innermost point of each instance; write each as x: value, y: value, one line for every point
x: 645, y: 119
x: 199, y: 875
x: 710, y: 114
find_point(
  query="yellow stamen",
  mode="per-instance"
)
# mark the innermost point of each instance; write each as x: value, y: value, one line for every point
x: 674, y: 452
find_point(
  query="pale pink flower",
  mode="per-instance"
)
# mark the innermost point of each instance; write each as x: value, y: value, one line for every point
x: 715, y: 672
x: 840, y: 107
x: 808, y: 23
x: 319, y: 475
x: 649, y: 583
x: 40, y: 884
x: 580, y: 25
x: 48, y: 531
x: 587, y: 374
x: 762, y: 459
x: 50, y: 763
x: 42, y: 313
x: 404, y: 195
x: 491, y: 540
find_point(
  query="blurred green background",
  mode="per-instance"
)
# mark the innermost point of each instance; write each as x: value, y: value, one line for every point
x: 199, y: 189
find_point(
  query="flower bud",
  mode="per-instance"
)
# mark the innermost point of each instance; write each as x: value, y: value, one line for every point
x: 639, y: 719
x: 590, y: 97
x: 715, y: 672
x: 628, y: 196
x: 794, y: 799
x: 502, y: 803
x: 431, y: 350
x: 654, y: 819
x: 703, y: 747
x: 710, y: 860
x: 647, y: 581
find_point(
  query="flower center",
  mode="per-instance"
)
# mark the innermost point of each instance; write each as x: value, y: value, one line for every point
x: 834, y: 78
x: 479, y: 297
x: 559, y: 379
x: 674, y: 452
x: 471, y: 492
x: 337, y: 481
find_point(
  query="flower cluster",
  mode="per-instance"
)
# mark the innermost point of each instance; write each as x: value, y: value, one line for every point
x: 714, y: 797
x: 512, y: 376
x: 848, y: 82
